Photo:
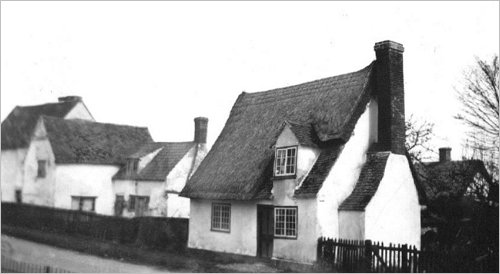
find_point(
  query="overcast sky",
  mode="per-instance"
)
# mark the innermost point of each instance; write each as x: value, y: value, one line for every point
x: 160, y: 64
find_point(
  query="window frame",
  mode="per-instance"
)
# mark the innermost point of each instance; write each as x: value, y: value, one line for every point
x: 80, y: 202
x: 294, y: 237
x: 219, y: 229
x: 285, y: 175
x: 134, y: 197
x: 41, y: 172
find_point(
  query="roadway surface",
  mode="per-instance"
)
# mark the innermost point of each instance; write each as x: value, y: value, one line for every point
x: 35, y: 253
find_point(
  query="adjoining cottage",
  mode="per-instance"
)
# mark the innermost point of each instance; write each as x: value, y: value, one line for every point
x: 17, y: 130
x: 69, y: 163
x: 151, y: 180
x: 323, y: 158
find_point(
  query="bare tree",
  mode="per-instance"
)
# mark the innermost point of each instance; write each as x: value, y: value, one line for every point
x: 480, y: 110
x: 418, y: 135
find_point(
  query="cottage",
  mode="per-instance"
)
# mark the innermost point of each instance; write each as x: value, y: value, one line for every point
x: 323, y: 158
x: 70, y: 163
x: 151, y: 180
x: 17, y: 129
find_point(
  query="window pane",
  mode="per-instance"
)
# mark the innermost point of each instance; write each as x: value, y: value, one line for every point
x: 88, y: 204
x: 75, y: 203
x: 221, y: 217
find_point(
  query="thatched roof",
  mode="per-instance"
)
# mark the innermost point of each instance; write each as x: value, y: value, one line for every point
x: 368, y: 182
x: 160, y: 166
x: 239, y: 165
x: 79, y: 141
x: 452, y: 177
x: 20, y: 123
x: 305, y: 134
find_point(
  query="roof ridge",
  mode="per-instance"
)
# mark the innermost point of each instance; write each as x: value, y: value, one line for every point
x: 88, y: 122
x: 47, y: 104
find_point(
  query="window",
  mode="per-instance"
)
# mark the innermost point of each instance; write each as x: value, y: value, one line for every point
x: 42, y: 169
x: 83, y: 203
x: 19, y: 196
x: 138, y: 204
x: 221, y: 217
x: 285, y: 161
x: 285, y: 222
x: 132, y: 166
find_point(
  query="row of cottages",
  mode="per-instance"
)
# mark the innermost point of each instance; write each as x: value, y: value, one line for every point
x: 323, y: 158
x: 56, y: 155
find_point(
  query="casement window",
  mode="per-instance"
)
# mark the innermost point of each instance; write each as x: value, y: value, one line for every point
x: 138, y: 204
x: 285, y: 222
x: 132, y: 166
x: 221, y: 217
x: 286, y: 161
x: 83, y: 203
x: 42, y: 169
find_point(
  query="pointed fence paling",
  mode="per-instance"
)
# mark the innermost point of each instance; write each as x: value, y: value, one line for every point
x: 366, y: 256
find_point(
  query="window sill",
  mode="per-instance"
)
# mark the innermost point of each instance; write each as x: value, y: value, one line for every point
x: 285, y: 237
x: 223, y: 231
x: 284, y: 177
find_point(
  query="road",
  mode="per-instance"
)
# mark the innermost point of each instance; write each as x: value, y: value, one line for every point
x: 35, y: 253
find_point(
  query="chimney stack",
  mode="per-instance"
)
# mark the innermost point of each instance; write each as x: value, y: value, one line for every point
x: 70, y: 99
x: 200, y: 130
x: 444, y: 154
x: 389, y: 91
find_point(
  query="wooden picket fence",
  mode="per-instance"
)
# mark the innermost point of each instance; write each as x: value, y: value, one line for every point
x: 13, y: 266
x: 367, y: 256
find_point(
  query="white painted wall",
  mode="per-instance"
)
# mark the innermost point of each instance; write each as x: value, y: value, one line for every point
x: 12, y: 172
x: 153, y: 189
x: 393, y: 214
x: 352, y: 225
x: 85, y: 180
x: 242, y: 239
x: 344, y: 174
x: 79, y: 111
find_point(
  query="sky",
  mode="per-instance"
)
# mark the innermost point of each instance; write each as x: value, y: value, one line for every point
x: 161, y: 64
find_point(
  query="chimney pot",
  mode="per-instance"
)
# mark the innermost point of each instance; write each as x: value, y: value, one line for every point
x: 70, y: 99
x: 445, y: 154
x: 200, y: 130
x: 389, y: 92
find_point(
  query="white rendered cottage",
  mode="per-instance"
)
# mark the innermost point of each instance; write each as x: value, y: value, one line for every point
x: 323, y: 158
x: 17, y: 129
x: 70, y: 163
x: 150, y: 183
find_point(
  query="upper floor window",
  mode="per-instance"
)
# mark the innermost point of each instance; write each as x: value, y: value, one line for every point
x: 221, y: 217
x: 42, y: 169
x: 132, y: 166
x: 286, y: 161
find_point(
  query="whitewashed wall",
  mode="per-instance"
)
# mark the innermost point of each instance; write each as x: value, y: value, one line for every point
x: 352, y: 225
x: 12, y: 172
x: 85, y: 180
x: 242, y: 239
x: 153, y: 189
x: 342, y: 178
x: 79, y: 111
x: 393, y: 214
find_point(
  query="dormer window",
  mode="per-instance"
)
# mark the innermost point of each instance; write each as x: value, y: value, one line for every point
x: 286, y: 161
x: 132, y: 165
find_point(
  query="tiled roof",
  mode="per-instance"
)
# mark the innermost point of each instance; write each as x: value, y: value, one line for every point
x: 237, y: 165
x: 450, y: 176
x: 20, y: 123
x: 78, y: 141
x: 368, y: 182
x: 319, y: 171
x: 161, y: 165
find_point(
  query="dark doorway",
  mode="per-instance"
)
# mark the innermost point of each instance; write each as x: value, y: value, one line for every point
x: 265, y: 230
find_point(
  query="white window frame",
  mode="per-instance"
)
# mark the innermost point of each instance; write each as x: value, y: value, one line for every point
x: 282, y: 155
x: 290, y: 216
x: 219, y: 221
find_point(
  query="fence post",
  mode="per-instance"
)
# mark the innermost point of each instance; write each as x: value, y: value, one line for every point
x: 47, y: 269
x: 368, y: 255
x: 405, y: 258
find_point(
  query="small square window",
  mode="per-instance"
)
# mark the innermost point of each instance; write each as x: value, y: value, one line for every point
x: 83, y: 203
x: 285, y: 162
x: 42, y: 169
x: 221, y: 217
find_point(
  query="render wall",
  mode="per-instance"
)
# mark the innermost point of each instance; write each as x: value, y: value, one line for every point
x: 352, y: 225
x: 393, y: 214
x: 242, y: 238
x: 344, y: 174
x: 12, y: 172
x: 79, y: 111
x: 85, y: 180
x: 153, y: 189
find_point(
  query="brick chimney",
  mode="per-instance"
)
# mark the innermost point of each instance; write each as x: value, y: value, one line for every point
x: 389, y: 91
x: 200, y: 130
x: 444, y: 154
x: 70, y: 99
